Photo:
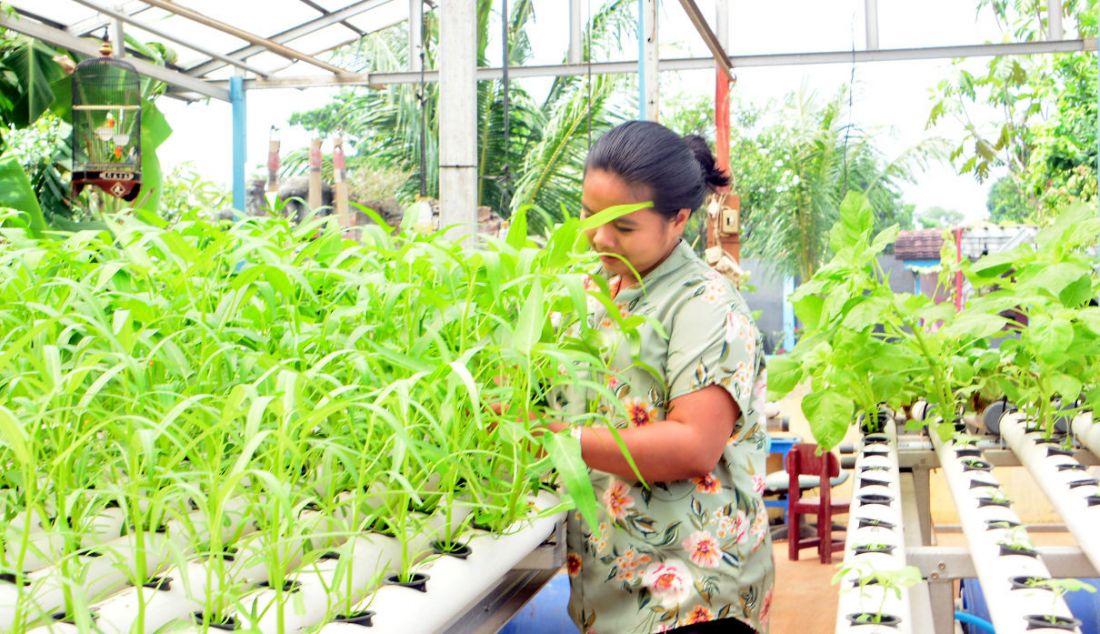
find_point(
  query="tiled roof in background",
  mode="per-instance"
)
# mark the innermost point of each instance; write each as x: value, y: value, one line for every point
x: 919, y: 244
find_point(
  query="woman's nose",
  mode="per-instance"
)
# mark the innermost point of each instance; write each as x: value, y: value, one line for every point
x: 602, y: 238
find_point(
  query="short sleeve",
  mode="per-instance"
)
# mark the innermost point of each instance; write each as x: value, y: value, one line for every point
x: 713, y: 341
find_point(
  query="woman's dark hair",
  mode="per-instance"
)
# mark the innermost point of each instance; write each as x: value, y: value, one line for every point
x: 678, y: 171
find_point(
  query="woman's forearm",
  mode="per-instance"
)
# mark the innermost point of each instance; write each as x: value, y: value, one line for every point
x: 664, y: 451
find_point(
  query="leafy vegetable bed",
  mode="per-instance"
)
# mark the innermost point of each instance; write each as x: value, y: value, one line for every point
x: 241, y: 402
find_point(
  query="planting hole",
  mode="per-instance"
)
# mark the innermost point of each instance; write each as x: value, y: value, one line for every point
x: 1051, y: 621
x: 159, y: 583
x: 872, y: 523
x: 453, y: 549
x: 873, y: 618
x: 418, y: 581
x: 1027, y: 582
x: 875, y: 498
x: 356, y: 618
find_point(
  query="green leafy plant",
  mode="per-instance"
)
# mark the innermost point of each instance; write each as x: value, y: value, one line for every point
x: 1052, y: 351
x: 890, y: 580
x: 1058, y: 588
x: 268, y: 391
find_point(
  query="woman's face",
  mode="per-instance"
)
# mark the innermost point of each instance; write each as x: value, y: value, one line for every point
x: 644, y: 238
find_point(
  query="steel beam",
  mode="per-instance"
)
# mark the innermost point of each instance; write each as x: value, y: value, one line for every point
x: 118, y: 15
x: 870, y: 15
x: 711, y: 40
x: 945, y: 563
x: 323, y: 11
x: 240, y: 144
x: 1054, y: 20
x: 416, y: 35
x: 698, y: 63
x: 251, y: 38
x: 649, y: 83
x: 63, y: 39
x: 96, y: 22
x: 575, y: 32
x: 303, y: 29
x: 458, y: 120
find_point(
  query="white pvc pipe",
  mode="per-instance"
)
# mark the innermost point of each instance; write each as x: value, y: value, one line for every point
x: 110, y: 571
x: 1007, y: 608
x: 1086, y: 432
x: 1050, y: 472
x: 454, y: 583
x: 852, y: 600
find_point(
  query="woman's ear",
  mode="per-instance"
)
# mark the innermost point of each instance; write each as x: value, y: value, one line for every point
x: 680, y: 221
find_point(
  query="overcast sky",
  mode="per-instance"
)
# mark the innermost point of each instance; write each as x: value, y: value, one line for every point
x: 891, y: 99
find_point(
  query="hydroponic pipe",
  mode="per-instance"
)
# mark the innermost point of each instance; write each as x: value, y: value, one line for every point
x: 998, y: 542
x: 874, y: 518
x: 1086, y: 432
x: 106, y: 567
x: 1064, y: 480
x: 454, y: 583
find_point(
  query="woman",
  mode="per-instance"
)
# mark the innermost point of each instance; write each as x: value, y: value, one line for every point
x: 692, y: 552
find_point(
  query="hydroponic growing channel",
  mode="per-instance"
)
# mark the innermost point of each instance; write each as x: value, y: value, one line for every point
x: 1009, y: 376
x: 268, y: 427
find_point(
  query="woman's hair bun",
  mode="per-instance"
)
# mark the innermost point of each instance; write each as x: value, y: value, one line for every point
x: 712, y: 174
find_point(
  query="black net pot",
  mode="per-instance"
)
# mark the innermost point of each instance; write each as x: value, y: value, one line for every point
x: 873, y: 618
x: 419, y: 581
x: 356, y: 618
x: 1052, y: 622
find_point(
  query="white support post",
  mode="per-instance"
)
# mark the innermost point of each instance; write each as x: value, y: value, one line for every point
x: 575, y: 32
x: 722, y: 23
x: 650, y: 68
x: 416, y: 30
x: 118, y: 37
x: 1054, y: 20
x: 870, y: 15
x: 457, y: 114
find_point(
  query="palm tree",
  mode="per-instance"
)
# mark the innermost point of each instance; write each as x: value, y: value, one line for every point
x: 794, y: 175
x: 537, y: 163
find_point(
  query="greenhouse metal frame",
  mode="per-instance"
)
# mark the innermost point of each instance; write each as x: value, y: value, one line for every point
x: 227, y: 73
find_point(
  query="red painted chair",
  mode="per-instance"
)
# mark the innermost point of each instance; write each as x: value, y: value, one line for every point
x: 803, y: 460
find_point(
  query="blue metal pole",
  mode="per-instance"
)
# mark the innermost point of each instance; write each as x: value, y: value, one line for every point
x: 237, y: 100
x: 788, y: 313
x: 916, y: 283
x: 641, y: 59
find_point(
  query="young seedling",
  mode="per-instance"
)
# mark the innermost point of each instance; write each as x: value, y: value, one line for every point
x: 1058, y: 588
x: 894, y: 581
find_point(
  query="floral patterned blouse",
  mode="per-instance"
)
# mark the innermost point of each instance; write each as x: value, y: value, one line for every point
x: 689, y: 551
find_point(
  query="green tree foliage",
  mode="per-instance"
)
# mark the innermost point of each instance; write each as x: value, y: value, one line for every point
x: 936, y: 217
x: 1046, y: 137
x: 1006, y: 203
x: 540, y: 160
x: 792, y: 165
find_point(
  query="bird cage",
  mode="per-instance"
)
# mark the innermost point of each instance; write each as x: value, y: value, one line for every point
x: 107, y: 126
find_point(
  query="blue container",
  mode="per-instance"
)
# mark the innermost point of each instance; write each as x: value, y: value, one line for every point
x: 546, y: 612
x: 1084, y: 606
